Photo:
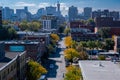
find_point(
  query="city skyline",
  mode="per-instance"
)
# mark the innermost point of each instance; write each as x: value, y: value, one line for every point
x: 33, y: 6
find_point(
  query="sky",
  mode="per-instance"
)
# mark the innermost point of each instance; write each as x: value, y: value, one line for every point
x: 34, y: 5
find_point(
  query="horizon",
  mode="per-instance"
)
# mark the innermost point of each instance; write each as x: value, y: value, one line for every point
x: 33, y: 6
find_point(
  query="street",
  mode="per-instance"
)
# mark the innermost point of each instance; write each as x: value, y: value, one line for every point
x: 57, y: 69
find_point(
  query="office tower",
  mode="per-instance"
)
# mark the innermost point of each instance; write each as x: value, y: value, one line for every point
x: 7, y: 13
x: 87, y: 12
x: 51, y: 10
x: 72, y: 13
x: 41, y: 12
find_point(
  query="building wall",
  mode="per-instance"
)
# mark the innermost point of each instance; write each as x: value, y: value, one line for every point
x: 0, y: 16
x: 15, y: 69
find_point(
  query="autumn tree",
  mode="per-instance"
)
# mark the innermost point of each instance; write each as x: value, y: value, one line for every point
x: 83, y: 55
x: 73, y: 73
x: 55, y: 37
x: 68, y: 41
x: 34, y: 70
x: 70, y: 54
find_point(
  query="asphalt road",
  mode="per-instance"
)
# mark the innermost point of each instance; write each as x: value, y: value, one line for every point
x: 56, y: 72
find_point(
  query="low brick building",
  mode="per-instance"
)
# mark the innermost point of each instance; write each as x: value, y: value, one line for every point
x: 13, y: 66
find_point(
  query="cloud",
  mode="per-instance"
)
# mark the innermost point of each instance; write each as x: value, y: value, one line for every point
x: 21, y: 4
x: 43, y: 5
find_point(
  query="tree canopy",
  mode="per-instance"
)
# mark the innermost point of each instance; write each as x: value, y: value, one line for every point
x: 70, y: 54
x: 73, y: 73
x: 34, y: 70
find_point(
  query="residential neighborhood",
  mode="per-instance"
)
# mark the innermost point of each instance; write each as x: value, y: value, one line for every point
x: 59, y: 40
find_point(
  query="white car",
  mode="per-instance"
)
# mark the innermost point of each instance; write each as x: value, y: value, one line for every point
x: 51, y: 66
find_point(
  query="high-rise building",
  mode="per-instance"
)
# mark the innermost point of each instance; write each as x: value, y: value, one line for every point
x: 0, y: 16
x: 7, y: 13
x: 41, y: 12
x: 106, y: 13
x: 22, y: 14
x: 51, y: 10
x: 72, y: 13
x: 87, y: 12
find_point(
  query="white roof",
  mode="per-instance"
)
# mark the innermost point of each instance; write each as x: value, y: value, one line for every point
x: 92, y: 71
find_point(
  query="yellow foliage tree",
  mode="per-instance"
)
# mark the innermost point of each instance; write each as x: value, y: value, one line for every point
x: 73, y: 73
x: 55, y: 37
x: 70, y: 54
x: 68, y: 41
x: 34, y: 70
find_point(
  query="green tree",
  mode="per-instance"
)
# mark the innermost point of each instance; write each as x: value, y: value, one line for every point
x: 90, y: 22
x: 109, y: 44
x: 23, y: 25
x: 34, y: 70
x: 12, y: 33
x: 104, y: 32
x: 67, y: 31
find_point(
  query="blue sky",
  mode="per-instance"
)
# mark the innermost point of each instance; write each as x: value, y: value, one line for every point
x: 34, y: 5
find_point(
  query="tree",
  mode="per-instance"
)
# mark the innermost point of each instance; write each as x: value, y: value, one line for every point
x: 109, y: 44
x: 83, y: 55
x: 104, y: 32
x: 99, y: 45
x: 23, y: 25
x: 34, y: 26
x: 91, y: 44
x: 61, y: 29
x: 68, y: 41
x: 90, y: 22
x: 34, y: 70
x: 83, y: 44
x: 12, y: 33
x: 73, y: 73
x: 55, y: 37
x: 67, y: 31
x: 50, y: 48
x: 70, y: 54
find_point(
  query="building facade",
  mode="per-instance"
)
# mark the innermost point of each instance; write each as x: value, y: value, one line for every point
x: 87, y: 12
x: 106, y: 13
x: 72, y: 13
x: 13, y: 65
x: 49, y: 22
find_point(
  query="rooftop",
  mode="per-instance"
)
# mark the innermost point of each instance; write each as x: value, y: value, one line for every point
x: 21, y: 42
x: 99, y: 70
x: 9, y: 56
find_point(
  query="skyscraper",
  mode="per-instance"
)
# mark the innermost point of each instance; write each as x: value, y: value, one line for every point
x: 7, y: 13
x: 51, y: 10
x: 87, y: 12
x: 0, y: 16
x: 72, y: 13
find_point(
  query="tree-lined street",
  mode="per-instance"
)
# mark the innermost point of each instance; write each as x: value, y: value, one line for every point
x: 56, y: 72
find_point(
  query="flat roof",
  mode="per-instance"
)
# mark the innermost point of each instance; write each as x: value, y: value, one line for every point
x: 107, y: 71
x: 9, y: 56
